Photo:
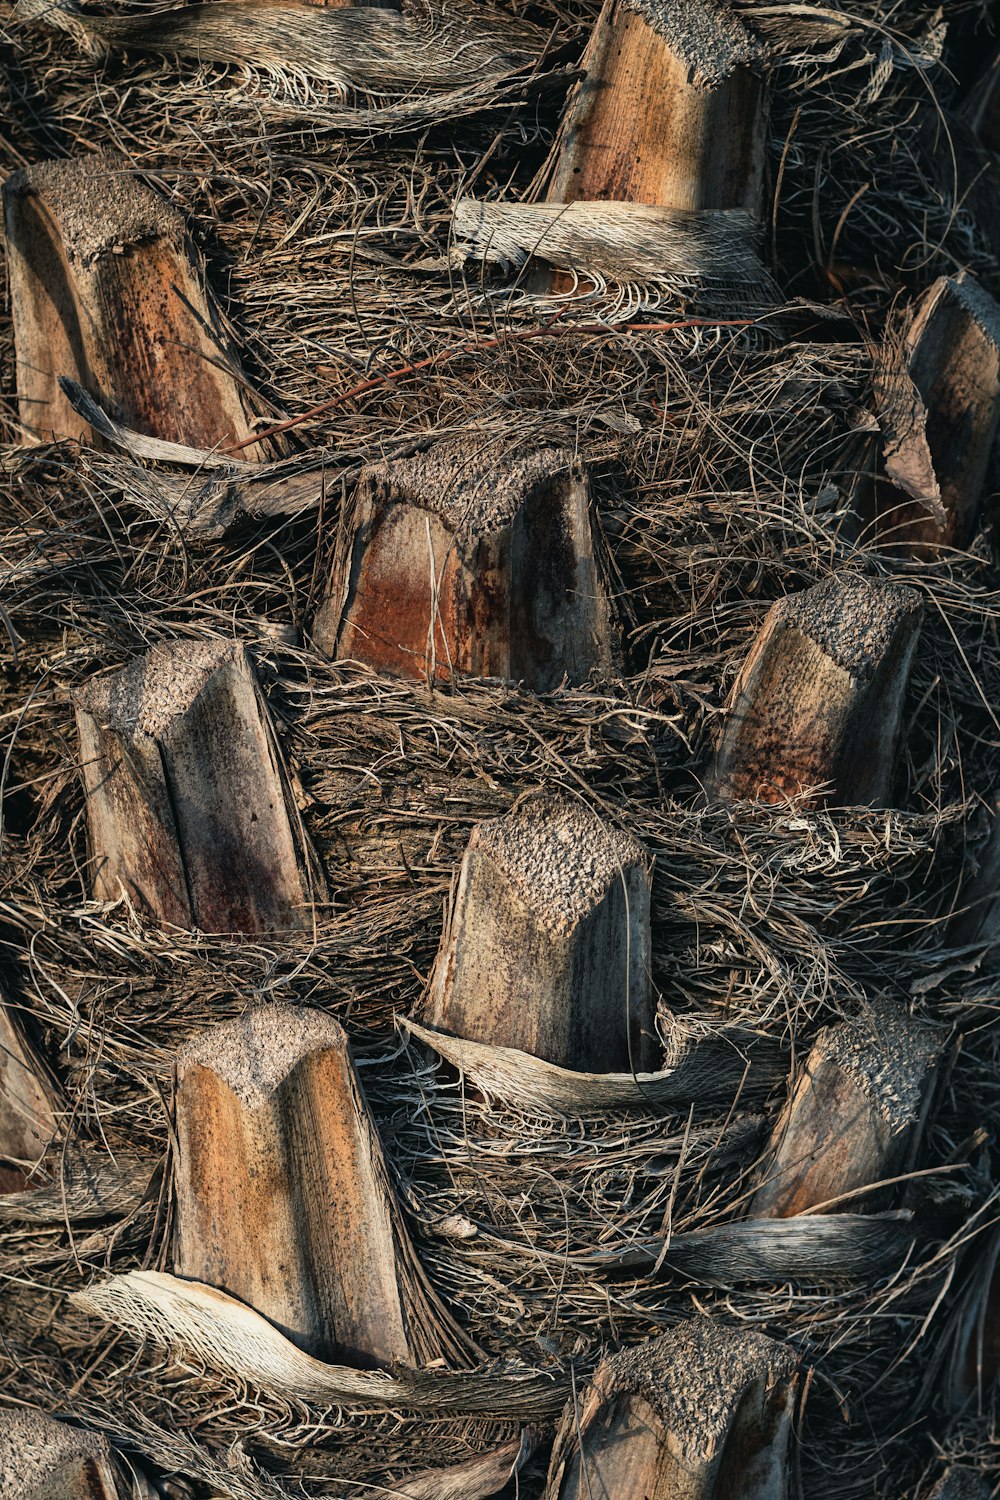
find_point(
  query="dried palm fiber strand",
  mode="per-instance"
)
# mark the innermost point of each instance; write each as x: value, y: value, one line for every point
x: 45, y: 1460
x: 283, y: 1196
x: 379, y: 50
x: 105, y: 289
x: 547, y: 948
x: 470, y: 559
x: 723, y: 481
x: 850, y: 1116
x: 231, y: 1337
x: 186, y: 799
x: 654, y: 254
x: 938, y: 393
x: 817, y: 708
x: 703, y: 1411
x: 728, y: 1062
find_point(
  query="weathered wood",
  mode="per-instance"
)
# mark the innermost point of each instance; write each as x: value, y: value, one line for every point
x: 467, y: 559
x: 670, y: 111
x: 548, y: 946
x: 185, y: 798
x: 42, y: 1459
x: 27, y: 1105
x: 851, y: 1114
x: 105, y: 289
x: 283, y: 1197
x: 939, y: 408
x: 961, y: 1483
x: 817, y: 706
x: 703, y: 1413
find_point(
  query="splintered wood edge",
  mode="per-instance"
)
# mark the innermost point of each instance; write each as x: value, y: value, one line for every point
x: 255, y: 1053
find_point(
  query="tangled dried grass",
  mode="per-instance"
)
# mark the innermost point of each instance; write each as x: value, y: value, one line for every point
x: 727, y: 467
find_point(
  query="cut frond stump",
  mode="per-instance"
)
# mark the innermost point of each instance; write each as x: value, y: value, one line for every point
x: 283, y: 1197
x: 817, y: 705
x: 703, y: 1413
x: 27, y: 1105
x: 961, y: 1483
x: 42, y: 1459
x: 185, y: 798
x: 106, y: 290
x: 548, y: 945
x: 939, y: 409
x: 851, y: 1114
x: 470, y: 560
x: 670, y: 111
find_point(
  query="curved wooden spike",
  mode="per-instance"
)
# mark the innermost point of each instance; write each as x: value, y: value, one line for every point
x: 41, y: 1459
x: 283, y: 1198
x: 185, y: 799
x: 106, y: 290
x: 851, y: 1114
x: 817, y: 706
x: 671, y: 111
x: 548, y: 946
x: 939, y: 400
x: 703, y: 1413
x: 470, y: 560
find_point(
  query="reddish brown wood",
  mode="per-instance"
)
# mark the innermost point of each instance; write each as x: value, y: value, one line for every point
x: 703, y: 1413
x: 185, y: 798
x: 283, y: 1196
x: 939, y: 398
x: 105, y: 289
x: 850, y: 1116
x: 670, y: 111
x: 817, y: 706
x: 28, y: 1105
x: 548, y: 946
x: 468, y: 560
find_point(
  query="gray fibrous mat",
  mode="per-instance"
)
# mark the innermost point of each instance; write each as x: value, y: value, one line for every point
x: 555, y: 1217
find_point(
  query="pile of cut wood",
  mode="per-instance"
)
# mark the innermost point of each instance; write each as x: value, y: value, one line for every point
x: 499, y: 750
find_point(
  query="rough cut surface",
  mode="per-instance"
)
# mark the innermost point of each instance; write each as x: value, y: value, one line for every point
x: 710, y: 39
x: 40, y: 1457
x: 256, y: 1052
x: 818, y: 704
x: 548, y: 946
x: 888, y: 1056
x: 283, y: 1197
x: 187, y: 807
x: 559, y: 857
x: 470, y: 560
x: 476, y: 486
x: 702, y: 1413
x: 852, y: 620
x: 850, y: 1115
x: 107, y: 293
x: 102, y: 207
